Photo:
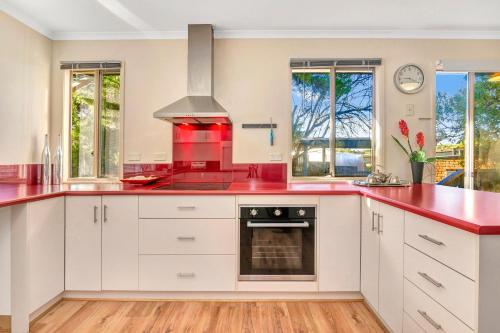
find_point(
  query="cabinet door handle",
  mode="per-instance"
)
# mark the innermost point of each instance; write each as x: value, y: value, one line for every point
x: 380, y: 223
x: 431, y: 280
x: 373, y: 221
x: 430, y: 320
x: 430, y: 239
x: 186, y: 238
x: 186, y: 207
x: 185, y: 275
x: 105, y: 213
x: 95, y: 214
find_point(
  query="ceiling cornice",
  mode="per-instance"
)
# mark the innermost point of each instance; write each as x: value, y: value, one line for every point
x: 226, y: 34
x: 386, y: 33
x: 25, y: 19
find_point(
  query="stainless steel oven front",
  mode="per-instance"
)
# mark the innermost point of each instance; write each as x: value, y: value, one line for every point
x: 277, y: 243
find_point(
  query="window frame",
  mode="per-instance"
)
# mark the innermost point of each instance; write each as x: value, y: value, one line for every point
x: 333, y: 70
x: 469, y: 134
x: 96, y: 177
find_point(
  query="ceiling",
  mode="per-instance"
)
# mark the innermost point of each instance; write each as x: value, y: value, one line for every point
x: 125, y: 19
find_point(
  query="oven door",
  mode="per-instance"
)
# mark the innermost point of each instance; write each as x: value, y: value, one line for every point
x: 277, y: 250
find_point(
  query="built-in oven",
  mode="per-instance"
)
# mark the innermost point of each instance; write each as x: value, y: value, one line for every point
x: 277, y: 243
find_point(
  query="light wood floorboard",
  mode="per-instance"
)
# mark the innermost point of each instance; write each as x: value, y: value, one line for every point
x: 207, y: 316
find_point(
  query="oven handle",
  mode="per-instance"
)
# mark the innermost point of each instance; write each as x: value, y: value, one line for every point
x: 251, y: 224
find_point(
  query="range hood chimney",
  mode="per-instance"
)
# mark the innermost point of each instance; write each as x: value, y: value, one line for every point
x: 199, y: 106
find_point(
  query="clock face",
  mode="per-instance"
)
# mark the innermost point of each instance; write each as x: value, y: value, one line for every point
x: 409, y: 79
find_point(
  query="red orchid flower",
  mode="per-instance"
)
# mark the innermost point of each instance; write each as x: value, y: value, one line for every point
x: 403, y: 126
x: 420, y: 140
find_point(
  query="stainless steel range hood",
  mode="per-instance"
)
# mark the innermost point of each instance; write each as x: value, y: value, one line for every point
x: 199, y: 106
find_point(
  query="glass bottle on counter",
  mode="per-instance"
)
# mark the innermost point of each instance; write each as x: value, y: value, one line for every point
x: 58, y: 160
x: 46, y: 162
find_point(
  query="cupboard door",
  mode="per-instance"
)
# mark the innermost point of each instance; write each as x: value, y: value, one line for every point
x: 120, y: 249
x: 369, y: 252
x: 339, y: 243
x: 391, y: 233
x: 46, y: 250
x: 83, y: 243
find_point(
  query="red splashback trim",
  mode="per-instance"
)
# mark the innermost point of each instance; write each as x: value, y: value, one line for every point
x: 30, y: 174
x: 240, y: 173
x: 163, y: 170
x: 260, y: 173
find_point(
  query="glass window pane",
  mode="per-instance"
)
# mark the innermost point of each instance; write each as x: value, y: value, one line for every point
x: 353, y: 124
x: 310, y: 123
x: 109, y: 125
x: 451, y: 111
x: 82, y: 124
x: 487, y: 132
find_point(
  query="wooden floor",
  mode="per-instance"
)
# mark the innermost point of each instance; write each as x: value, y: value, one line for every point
x: 207, y: 316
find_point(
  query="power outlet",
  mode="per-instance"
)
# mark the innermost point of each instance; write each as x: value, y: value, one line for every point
x: 134, y: 157
x: 410, y: 109
x: 275, y: 157
x: 162, y: 156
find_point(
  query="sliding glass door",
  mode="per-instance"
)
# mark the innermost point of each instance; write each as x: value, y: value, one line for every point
x: 468, y: 130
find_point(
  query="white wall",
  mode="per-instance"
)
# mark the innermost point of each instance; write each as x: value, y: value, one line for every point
x: 25, y: 59
x: 252, y: 81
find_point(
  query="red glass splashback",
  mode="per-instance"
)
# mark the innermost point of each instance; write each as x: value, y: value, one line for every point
x: 202, y: 153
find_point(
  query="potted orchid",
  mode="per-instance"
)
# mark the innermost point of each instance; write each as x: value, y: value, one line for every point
x: 416, y: 157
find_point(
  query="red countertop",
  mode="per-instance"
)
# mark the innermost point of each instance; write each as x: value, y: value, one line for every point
x: 473, y: 211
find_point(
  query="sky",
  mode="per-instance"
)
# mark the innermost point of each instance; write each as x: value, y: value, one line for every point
x: 450, y: 83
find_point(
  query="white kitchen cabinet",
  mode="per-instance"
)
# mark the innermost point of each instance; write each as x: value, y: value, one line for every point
x: 187, y: 273
x: 391, y: 231
x: 83, y: 243
x: 120, y: 259
x: 382, y: 238
x: 45, y: 222
x: 370, y: 249
x: 339, y: 243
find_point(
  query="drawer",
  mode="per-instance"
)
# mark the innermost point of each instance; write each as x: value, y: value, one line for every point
x: 453, y: 247
x: 187, y: 206
x: 187, y: 272
x: 187, y: 236
x: 428, y: 314
x: 450, y: 289
x: 410, y: 326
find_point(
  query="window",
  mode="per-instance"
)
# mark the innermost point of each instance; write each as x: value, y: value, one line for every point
x: 468, y: 130
x: 95, y: 124
x: 332, y: 122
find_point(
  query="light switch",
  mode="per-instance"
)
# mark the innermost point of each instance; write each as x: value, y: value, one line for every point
x: 134, y: 157
x: 275, y: 156
x: 410, y: 109
x: 161, y: 156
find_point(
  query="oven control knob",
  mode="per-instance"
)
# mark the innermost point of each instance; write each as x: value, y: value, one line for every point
x: 301, y: 212
x: 277, y: 212
x: 254, y: 212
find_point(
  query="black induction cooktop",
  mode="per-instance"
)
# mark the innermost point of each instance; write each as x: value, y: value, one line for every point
x: 194, y: 186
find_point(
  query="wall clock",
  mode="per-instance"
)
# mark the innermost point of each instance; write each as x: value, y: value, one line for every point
x: 409, y: 79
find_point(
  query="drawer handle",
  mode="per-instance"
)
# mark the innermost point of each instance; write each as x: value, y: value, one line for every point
x: 95, y: 214
x: 380, y: 221
x: 430, y: 239
x: 373, y: 221
x: 185, y: 275
x: 431, y: 280
x: 186, y: 238
x: 430, y: 320
x: 186, y: 207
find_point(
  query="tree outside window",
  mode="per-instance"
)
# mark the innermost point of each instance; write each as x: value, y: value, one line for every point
x: 320, y: 131
x: 95, y: 124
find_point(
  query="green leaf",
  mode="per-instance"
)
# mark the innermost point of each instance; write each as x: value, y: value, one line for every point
x: 430, y: 160
x: 402, y: 147
x: 418, y: 156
